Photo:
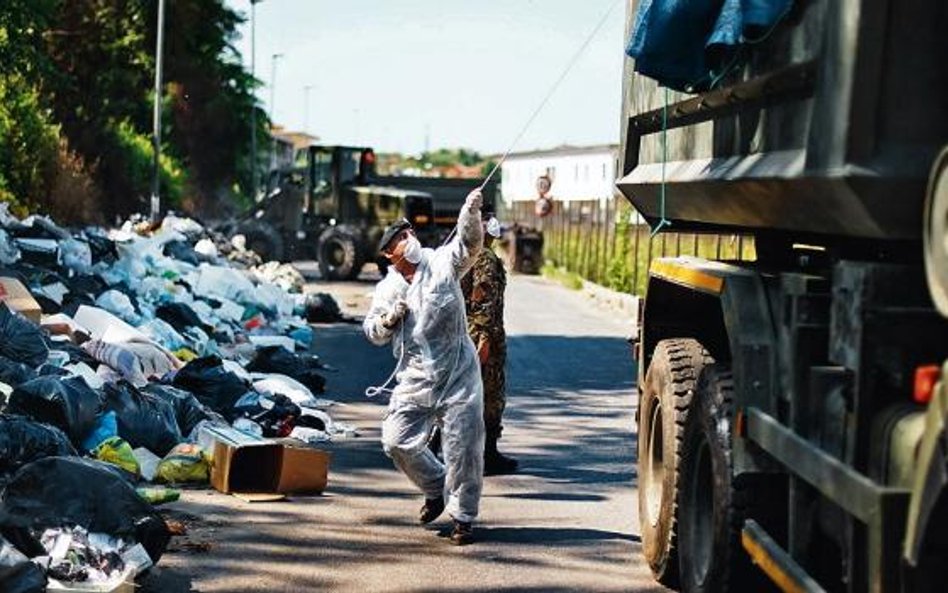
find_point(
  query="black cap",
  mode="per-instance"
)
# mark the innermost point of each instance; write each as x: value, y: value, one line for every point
x: 391, y: 232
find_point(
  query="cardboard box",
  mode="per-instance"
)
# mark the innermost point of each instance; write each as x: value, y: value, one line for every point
x: 18, y: 298
x: 249, y: 465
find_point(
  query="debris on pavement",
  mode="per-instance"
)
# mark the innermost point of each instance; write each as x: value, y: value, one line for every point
x: 131, y: 357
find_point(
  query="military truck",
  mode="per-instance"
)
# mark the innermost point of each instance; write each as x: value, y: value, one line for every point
x: 332, y: 207
x: 791, y: 418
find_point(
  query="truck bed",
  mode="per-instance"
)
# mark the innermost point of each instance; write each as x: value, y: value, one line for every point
x: 448, y: 194
x: 823, y: 132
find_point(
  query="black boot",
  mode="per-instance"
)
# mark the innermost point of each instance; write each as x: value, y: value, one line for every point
x: 495, y: 463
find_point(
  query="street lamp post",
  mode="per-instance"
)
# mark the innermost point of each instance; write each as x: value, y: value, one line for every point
x: 253, y: 102
x: 156, y: 119
x: 273, y: 75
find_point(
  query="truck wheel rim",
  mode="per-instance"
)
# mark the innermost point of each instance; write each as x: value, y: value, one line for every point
x: 655, y: 467
x: 701, y: 513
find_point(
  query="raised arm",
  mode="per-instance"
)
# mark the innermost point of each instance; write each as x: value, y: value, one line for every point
x: 469, y: 235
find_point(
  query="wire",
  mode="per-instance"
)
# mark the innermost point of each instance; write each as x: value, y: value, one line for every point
x: 549, y: 94
x: 663, y: 222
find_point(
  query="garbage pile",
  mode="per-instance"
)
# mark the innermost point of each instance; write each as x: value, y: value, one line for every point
x: 122, y: 353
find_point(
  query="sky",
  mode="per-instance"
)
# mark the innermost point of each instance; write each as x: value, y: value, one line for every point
x: 403, y: 75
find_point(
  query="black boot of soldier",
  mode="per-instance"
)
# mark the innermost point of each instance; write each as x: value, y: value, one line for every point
x: 495, y: 463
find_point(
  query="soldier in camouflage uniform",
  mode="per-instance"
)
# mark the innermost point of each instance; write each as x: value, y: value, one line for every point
x: 483, y: 289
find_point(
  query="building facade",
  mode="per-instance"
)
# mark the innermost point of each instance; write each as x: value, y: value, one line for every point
x: 575, y: 172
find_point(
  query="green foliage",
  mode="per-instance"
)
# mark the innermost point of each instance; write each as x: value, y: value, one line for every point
x: 139, y: 154
x: 76, y: 88
x: 28, y: 144
x: 570, y: 280
x: 618, y: 270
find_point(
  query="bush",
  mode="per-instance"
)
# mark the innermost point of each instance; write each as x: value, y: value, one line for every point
x: 29, y: 144
x: 139, y: 161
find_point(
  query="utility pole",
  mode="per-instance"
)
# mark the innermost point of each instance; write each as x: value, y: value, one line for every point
x: 306, y: 90
x: 156, y: 120
x: 273, y: 76
x: 253, y: 104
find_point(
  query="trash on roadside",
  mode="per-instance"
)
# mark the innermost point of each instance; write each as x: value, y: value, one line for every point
x: 118, y: 452
x: 23, y: 441
x: 67, y: 403
x: 246, y: 464
x: 19, y: 299
x: 100, y: 500
x: 147, y: 463
x: 21, y: 339
x: 158, y: 495
x: 144, y: 420
x: 187, y: 462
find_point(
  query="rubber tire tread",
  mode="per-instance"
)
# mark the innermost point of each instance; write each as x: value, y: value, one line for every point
x: 348, y: 271
x: 676, y: 364
x: 276, y: 251
x: 711, y: 419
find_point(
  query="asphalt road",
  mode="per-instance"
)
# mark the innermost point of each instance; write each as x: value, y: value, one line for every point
x: 567, y: 521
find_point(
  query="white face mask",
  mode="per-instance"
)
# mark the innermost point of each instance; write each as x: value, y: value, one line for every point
x: 412, y: 253
x: 493, y: 227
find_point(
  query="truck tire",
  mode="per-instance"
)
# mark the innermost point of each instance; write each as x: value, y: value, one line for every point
x: 713, y: 506
x: 663, y: 411
x: 339, y: 255
x: 264, y: 240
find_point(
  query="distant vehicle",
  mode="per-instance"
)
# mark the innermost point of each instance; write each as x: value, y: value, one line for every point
x: 793, y: 411
x: 332, y: 207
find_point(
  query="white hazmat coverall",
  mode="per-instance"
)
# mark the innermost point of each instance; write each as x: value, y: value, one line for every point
x: 438, y: 377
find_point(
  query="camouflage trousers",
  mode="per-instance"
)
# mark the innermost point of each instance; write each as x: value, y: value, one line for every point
x: 495, y: 387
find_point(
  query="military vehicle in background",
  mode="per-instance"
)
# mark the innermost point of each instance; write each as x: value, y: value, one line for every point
x: 793, y: 411
x: 332, y: 207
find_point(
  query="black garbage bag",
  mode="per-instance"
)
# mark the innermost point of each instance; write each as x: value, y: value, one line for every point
x: 182, y: 251
x: 23, y: 441
x: 47, y: 305
x: 188, y: 411
x: 87, y: 284
x: 102, y: 248
x: 59, y: 491
x: 212, y: 384
x: 144, y: 420
x: 15, y: 373
x: 67, y: 403
x: 322, y: 308
x: 21, y: 339
x: 17, y: 573
x: 277, y: 359
x: 275, y: 413
x: 180, y: 317
x: 76, y: 354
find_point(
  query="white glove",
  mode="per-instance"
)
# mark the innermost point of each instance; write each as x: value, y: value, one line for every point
x: 391, y: 319
x: 474, y: 200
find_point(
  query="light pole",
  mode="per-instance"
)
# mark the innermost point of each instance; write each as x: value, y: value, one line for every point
x: 306, y: 90
x: 156, y: 119
x: 253, y: 102
x: 273, y: 75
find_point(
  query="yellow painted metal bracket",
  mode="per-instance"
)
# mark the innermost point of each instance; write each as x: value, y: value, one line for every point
x: 685, y: 273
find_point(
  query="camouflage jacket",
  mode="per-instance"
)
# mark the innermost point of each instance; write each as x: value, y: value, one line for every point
x: 483, y: 289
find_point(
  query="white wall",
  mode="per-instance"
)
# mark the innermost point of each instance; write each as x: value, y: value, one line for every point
x: 584, y: 176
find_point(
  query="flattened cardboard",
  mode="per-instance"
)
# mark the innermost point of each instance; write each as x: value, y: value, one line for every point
x: 18, y: 298
x: 257, y: 468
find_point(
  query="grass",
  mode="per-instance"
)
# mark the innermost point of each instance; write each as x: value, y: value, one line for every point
x: 570, y: 280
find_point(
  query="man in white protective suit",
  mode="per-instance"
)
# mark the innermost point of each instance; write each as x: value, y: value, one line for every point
x: 419, y: 307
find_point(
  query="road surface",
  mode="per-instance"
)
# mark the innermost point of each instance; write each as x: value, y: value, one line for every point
x: 567, y: 521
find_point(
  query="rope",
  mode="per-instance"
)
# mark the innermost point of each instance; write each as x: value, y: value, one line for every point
x: 569, y: 66
x: 663, y: 222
